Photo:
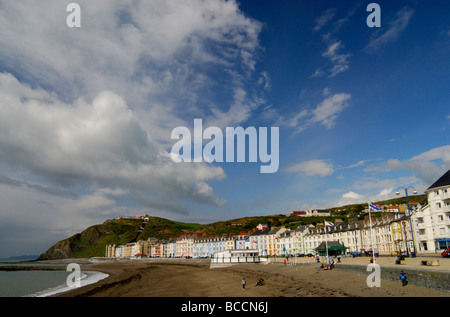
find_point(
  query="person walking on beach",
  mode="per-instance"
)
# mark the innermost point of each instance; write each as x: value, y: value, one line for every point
x: 403, y: 278
x: 243, y: 283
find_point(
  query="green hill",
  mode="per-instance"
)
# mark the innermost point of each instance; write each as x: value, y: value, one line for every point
x: 92, y: 241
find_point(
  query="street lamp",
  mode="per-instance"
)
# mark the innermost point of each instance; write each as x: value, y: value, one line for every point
x: 413, y: 254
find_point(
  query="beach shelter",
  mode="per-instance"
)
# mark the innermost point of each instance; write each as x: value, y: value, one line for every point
x: 334, y: 248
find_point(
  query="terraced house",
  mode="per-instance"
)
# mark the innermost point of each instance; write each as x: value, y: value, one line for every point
x: 386, y: 234
x: 432, y: 218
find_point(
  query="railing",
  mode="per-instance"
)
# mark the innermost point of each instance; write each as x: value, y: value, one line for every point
x: 247, y: 259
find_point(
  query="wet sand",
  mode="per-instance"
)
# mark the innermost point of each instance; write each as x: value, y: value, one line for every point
x: 197, y: 279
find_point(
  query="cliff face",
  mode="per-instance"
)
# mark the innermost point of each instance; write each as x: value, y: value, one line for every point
x: 92, y: 241
x: 61, y: 250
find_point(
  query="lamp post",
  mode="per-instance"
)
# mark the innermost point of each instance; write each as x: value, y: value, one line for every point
x: 413, y: 254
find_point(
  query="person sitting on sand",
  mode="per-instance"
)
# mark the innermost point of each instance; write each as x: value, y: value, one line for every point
x: 320, y: 268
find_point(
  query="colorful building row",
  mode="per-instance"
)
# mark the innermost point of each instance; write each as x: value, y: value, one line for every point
x: 190, y: 245
x: 424, y: 228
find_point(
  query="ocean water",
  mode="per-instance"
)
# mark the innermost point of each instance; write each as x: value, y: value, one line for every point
x: 41, y: 283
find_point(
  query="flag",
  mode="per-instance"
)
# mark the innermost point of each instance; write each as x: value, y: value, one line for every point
x: 329, y: 224
x: 373, y: 207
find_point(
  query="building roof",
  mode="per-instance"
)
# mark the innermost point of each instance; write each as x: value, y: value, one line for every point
x: 260, y: 232
x: 444, y: 180
x: 274, y: 230
x: 328, y: 244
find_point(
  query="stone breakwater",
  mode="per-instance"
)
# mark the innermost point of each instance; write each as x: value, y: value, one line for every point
x: 421, y: 277
x: 32, y: 268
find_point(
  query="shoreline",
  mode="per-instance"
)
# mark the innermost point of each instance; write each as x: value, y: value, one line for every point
x: 88, y: 277
x: 191, y: 278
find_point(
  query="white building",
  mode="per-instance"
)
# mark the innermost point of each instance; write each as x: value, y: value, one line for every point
x: 258, y: 241
x: 236, y: 256
x: 292, y: 242
x: 432, y: 218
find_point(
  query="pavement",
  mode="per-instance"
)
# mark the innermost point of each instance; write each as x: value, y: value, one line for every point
x: 441, y: 264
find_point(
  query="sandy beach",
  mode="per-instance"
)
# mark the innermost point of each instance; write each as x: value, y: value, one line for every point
x: 195, y: 278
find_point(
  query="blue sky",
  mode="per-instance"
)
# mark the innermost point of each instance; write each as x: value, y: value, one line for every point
x: 87, y: 113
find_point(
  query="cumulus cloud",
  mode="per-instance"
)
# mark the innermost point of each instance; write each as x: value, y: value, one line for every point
x: 97, y: 104
x: 161, y: 56
x: 312, y: 168
x: 427, y: 166
x: 99, y: 143
x: 352, y: 197
x: 86, y: 113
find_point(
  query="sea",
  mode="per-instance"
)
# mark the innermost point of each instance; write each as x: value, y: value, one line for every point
x: 40, y: 283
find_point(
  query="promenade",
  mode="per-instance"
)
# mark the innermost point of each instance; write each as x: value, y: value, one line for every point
x: 408, y: 263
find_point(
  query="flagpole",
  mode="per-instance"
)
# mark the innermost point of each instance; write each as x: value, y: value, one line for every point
x: 326, y: 241
x: 371, y: 235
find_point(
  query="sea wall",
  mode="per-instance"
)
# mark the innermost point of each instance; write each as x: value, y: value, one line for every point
x: 420, y: 277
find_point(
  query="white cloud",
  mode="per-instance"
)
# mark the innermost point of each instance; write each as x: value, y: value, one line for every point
x: 98, y: 143
x: 161, y: 56
x: 325, y: 113
x: 428, y: 166
x: 350, y: 198
x: 339, y: 61
x: 318, y: 73
x: 359, y: 163
x: 392, y: 31
x: 86, y: 114
x: 264, y: 80
x: 96, y: 104
x: 326, y: 17
x: 53, y: 217
x: 312, y: 168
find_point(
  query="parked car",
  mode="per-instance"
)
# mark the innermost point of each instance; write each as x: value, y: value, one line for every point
x: 446, y: 253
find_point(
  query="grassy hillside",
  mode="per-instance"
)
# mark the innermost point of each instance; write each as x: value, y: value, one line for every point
x: 93, y: 240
